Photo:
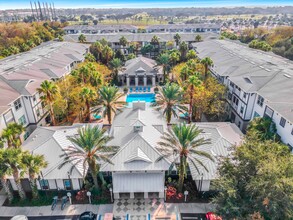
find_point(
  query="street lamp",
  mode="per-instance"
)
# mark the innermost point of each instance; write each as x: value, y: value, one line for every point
x: 111, y: 193
x: 185, y: 195
x: 88, y: 193
x: 165, y: 195
x: 69, y: 196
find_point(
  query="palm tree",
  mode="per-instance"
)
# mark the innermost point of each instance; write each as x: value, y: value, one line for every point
x: 96, y: 49
x: 181, y: 143
x: 174, y: 58
x: 107, y: 54
x: 191, y: 54
x: 169, y: 101
x: 11, y: 134
x: 123, y: 41
x: 5, y: 170
x: 115, y: 65
x: 49, y: 90
x: 87, y: 95
x: 14, y: 161
x: 198, y: 38
x: 193, y: 81
x: 207, y: 62
x: 183, y: 48
x: 164, y: 61
x: 91, y: 150
x: 109, y: 101
x: 155, y: 40
x: 177, y: 39
x: 82, y: 38
x: 33, y: 165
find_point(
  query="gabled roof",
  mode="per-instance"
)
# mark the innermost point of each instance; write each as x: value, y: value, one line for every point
x: 141, y: 66
x: 222, y: 137
x: 137, y: 155
x: 51, y: 142
x: 137, y: 149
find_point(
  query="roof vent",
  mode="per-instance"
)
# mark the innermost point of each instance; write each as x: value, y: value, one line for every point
x: 247, y: 80
x: 287, y: 75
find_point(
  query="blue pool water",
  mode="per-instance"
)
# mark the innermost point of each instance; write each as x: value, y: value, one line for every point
x: 147, y: 97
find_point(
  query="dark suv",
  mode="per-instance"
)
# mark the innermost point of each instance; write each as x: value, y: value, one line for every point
x: 88, y: 216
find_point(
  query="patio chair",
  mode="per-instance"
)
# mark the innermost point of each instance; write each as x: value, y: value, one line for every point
x: 140, y: 89
x: 130, y: 89
x: 149, y: 89
x: 144, y: 89
x: 136, y: 89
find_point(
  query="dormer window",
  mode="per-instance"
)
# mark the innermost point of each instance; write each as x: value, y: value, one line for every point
x: 137, y: 128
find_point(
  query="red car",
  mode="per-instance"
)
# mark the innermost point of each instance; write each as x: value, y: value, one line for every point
x: 212, y: 216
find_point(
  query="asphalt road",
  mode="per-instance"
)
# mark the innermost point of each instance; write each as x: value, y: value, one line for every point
x: 184, y: 216
x: 72, y: 217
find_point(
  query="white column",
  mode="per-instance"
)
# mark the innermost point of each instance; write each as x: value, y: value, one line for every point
x: 161, y: 195
x: 136, y: 81
x: 144, y: 80
x: 116, y: 196
x: 154, y: 81
x: 127, y: 81
x: 132, y: 195
x: 146, y: 195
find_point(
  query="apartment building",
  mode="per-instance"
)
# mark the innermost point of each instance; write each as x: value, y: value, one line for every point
x: 260, y: 84
x: 99, y: 29
x: 184, y: 28
x: 22, y: 74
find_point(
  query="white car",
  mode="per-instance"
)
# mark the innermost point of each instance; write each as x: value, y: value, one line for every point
x: 19, y: 217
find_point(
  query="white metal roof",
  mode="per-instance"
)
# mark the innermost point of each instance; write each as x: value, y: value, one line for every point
x: 51, y: 142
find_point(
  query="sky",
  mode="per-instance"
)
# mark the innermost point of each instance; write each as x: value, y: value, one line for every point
x: 16, y: 4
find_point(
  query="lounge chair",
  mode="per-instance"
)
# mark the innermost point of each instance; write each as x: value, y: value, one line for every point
x: 149, y: 89
x: 144, y: 89
x: 130, y: 89
x: 140, y: 89
x: 136, y: 89
x: 184, y: 115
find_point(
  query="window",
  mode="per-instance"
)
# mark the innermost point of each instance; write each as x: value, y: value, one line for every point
x: 22, y: 120
x: 229, y: 96
x: 38, y: 112
x: 67, y: 184
x: 232, y: 84
x: 241, y: 109
x: 244, y: 95
x: 256, y: 115
x: 44, y: 184
x: 17, y: 104
x: 292, y: 131
x: 34, y: 98
x: 235, y: 100
x: 283, y: 122
x: 239, y: 124
x: 260, y: 100
x: 26, y: 135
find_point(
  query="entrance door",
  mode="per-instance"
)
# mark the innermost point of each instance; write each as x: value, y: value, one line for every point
x: 124, y: 195
x: 139, y: 195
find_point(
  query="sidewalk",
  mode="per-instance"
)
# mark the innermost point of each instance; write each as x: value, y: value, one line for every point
x: 160, y: 209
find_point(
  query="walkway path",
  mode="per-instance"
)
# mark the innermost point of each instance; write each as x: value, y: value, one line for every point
x: 137, y: 208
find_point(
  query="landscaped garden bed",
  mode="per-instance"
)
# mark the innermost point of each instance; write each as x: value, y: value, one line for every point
x: 174, y: 196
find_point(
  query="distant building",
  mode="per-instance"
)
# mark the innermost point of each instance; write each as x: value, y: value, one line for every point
x: 140, y: 71
x: 260, y: 84
x: 99, y: 29
x: 22, y: 74
x: 184, y: 28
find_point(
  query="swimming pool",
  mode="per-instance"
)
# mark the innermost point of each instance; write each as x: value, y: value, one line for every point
x: 147, y: 97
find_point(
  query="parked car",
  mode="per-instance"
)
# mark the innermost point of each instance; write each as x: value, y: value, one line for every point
x: 212, y: 216
x: 19, y: 217
x: 88, y: 216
